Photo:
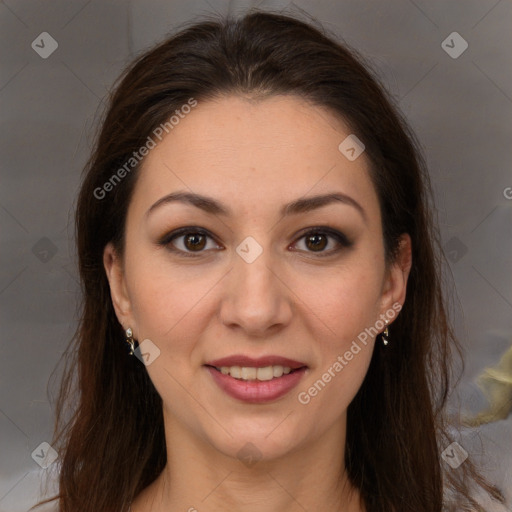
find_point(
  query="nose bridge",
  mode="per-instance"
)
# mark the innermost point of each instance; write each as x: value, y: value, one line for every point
x: 254, y: 269
x: 256, y: 298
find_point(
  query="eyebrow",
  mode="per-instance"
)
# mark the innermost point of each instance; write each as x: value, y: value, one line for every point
x: 302, y: 205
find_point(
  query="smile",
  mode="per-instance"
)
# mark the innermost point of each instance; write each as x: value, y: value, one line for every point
x: 250, y: 373
x: 256, y: 380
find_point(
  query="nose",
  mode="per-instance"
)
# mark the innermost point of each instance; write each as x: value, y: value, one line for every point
x: 256, y: 298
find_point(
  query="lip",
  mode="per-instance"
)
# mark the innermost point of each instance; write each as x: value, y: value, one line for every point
x: 260, y: 362
x: 255, y: 391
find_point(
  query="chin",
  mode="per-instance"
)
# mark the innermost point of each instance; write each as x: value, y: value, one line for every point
x: 249, y: 443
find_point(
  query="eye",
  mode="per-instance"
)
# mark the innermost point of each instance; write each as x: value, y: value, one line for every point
x: 191, y: 241
x: 316, y: 240
x: 187, y: 241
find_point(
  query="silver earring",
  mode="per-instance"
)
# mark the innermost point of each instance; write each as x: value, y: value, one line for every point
x: 129, y: 340
x: 385, y: 334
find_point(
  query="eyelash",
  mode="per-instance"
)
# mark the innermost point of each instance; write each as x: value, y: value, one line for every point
x: 166, y: 240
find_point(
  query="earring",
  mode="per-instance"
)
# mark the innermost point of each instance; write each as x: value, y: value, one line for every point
x: 385, y: 334
x: 129, y: 340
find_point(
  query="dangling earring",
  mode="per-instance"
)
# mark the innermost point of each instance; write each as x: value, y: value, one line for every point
x: 129, y: 340
x: 385, y: 335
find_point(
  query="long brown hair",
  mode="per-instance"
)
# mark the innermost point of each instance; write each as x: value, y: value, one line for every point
x: 109, y: 425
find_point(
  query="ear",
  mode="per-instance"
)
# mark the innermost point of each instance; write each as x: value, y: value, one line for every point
x: 118, y: 291
x: 395, y: 285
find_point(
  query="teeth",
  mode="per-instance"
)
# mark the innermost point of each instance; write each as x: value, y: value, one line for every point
x: 249, y: 373
x: 266, y: 373
x: 279, y: 370
x: 235, y: 371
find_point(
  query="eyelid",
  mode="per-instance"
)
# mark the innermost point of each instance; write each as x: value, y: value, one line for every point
x: 342, y: 240
x: 325, y: 230
x: 168, y: 238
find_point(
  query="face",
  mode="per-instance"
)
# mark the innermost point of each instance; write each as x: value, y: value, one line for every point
x: 258, y: 270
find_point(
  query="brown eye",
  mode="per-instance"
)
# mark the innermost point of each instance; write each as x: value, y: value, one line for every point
x: 318, y: 239
x: 195, y: 241
x: 316, y: 242
x: 188, y: 241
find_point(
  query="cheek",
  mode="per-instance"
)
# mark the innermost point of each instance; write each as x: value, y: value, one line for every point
x: 164, y: 300
x: 346, y: 301
x: 346, y: 310
x: 328, y: 394
x: 345, y: 341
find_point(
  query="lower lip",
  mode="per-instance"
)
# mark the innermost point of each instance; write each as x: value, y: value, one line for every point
x: 257, y: 391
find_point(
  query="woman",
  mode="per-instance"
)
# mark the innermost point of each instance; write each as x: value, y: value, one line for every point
x: 263, y: 325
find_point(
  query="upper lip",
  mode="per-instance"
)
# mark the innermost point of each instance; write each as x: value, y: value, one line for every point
x: 260, y: 362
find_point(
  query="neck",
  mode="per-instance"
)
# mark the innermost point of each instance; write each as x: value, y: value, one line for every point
x: 199, y: 478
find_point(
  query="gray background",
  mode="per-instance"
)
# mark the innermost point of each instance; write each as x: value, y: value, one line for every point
x: 460, y: 108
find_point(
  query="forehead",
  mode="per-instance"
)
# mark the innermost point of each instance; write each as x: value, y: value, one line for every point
x: 265, y: 151
x: 276, y: 126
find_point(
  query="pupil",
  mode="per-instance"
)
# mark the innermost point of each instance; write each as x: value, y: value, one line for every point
x: 315, y: 241
x: 192, y: 241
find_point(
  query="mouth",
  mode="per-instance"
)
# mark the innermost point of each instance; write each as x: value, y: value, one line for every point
x: 256, y: 380
x: 250, y: 373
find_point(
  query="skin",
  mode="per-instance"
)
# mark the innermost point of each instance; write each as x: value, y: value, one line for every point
x: 253, y: 157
